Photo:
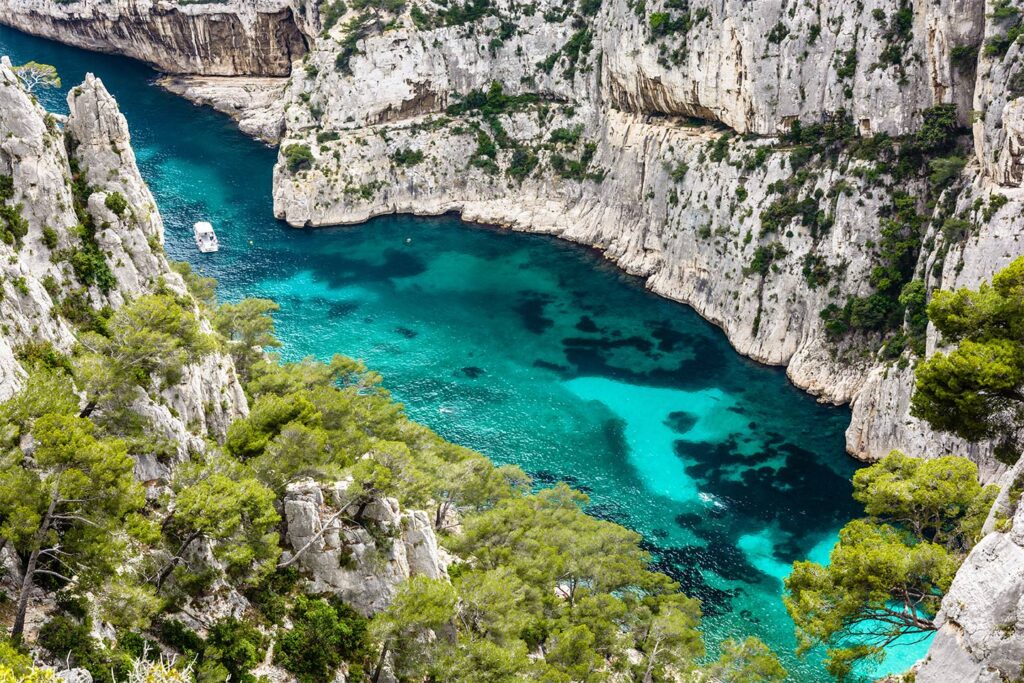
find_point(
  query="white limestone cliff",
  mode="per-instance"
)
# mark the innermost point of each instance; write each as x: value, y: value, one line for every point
x: 361, y: 553
x: 689, y: 234
x: 981, y: 624
x: 658, y: 196
x: 37, y: 277
x: 238, y: 37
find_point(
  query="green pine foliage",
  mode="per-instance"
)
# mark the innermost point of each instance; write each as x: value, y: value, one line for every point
x: 887, y: 575
x: 976, y: 391
x: 532, y: 571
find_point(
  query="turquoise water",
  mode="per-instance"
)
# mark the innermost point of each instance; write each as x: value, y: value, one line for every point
x: 533, y: 351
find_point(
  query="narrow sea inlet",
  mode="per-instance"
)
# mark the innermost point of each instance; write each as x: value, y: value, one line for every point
x: 528, y: 349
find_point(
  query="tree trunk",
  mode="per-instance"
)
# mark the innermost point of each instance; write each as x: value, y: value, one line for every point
x: 649, y: 674
x: 442, y: 512
x: 87, y: 410
x: 23, y: 595
x: 380, y: 662
x: 30, y: 571
x: 361, y: 509
x: 169, y: 567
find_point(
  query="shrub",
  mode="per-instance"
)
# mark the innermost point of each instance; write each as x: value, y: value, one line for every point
x: 420, y: 18
x: 330, y: 12
x: 1009, y: 16
x: 323, y: 635
x: 913, y: 298
x: 50, y: 237
x: 939, y: 129
x: 469, y: 12
x: 576, y: 170
x: 67, y: 639
x: 569, y: 136
x: 800, y: 156
x: 662, y: 24
x: 356, y: 29
x: 816, y: 271
x: 13, y: 226
x: 298, y: 157
x: 91, y: 268
x: 407, y: 157
x: 778, y: 33
x: 176, y: 635
x: 135, y: 645
x: 848, y: 66
x: 43, y: 354
x: 492, y: 102
x: 522, y: 164
x: 720, y: 148
x: 995, y: 202
x: 964, y: 57
x: 270, y: 594
x: 116, y: 202
x: 764, y: 257
x: 782, y: 211
x: 236, y: 646
x: 945, y: 169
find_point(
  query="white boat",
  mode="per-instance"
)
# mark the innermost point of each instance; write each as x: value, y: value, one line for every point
x: 206, y: 238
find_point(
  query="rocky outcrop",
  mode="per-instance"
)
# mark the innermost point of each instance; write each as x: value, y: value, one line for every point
x: 257, y: 104
x: 236, y: 37
x: 32, y: 156
x: 881, y: 411
x: 999, y: 111
x: 756, y: 66
x: 209, y: 396
x: 42, y: 286
x: 359, y: 552
x: 74, y: 676
x: 981, y: 624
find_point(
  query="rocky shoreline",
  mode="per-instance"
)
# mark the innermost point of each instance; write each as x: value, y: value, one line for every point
x: 594, y: 143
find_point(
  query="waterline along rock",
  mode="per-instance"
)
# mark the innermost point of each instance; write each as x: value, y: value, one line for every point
x: 243, y: 37
x: 746, y: 158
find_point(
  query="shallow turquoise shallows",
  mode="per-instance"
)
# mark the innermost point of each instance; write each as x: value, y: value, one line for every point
x: 531, y: 350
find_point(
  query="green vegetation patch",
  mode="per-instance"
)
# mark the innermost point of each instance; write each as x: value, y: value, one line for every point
x: 298, y: 157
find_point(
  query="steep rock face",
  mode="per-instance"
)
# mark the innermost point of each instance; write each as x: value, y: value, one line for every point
x: 363, y: 561
x: 39, y: 276
x: 881, y: 418
x: 677, y: 204
x: 981, y: 624
x: 999, y: 111
x: 209, y: 396
x: 756, y: 66
x: 32, y: 155
x: 687, y: 236
x: 250, y: 37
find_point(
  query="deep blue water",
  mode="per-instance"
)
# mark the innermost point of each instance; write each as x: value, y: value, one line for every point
x: 531, y: 350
